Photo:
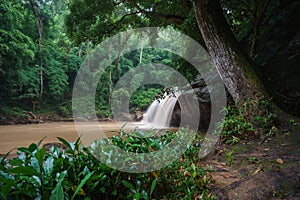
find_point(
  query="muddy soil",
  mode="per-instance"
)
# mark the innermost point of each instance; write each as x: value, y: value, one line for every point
x: 253, y: 171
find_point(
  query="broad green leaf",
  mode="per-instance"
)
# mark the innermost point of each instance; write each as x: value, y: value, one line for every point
x: 24, y: 170
x: 32, y: 147
x: 128, y: 184
x: 48, y: 165
x: 40, y: 155
x: 58, y: 192
x: 16, y: 162
x: 35, y: 164
x: 24, y: 149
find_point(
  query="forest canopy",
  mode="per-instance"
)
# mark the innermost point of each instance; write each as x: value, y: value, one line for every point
x: 44, y: 42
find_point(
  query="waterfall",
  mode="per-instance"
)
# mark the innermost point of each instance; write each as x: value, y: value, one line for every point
x: 160, y: 112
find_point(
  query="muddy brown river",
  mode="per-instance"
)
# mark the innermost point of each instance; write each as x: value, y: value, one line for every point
x: 13, y: 136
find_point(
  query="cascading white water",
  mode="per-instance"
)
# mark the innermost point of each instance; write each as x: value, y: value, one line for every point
x: 160, y: 112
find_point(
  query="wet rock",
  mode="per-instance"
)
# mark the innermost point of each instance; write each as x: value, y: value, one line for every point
x: 201, y: 91
x: 175, y: 119
x: 138, y: 115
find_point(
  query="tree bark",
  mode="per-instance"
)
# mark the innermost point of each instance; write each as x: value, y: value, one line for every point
x: 234, y: 68
x: 141, y: 51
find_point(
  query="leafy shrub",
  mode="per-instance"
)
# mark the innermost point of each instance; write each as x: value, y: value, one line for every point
x: 12, y: 111
x: 65, y: 110
x: 103, y: 113
x: 74, y: 173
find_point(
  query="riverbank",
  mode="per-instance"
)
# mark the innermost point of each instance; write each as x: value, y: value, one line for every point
x: 33, y: 118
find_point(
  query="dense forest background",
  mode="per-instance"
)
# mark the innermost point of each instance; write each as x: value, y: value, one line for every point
x: 254, y: 45
x: 44, y: 42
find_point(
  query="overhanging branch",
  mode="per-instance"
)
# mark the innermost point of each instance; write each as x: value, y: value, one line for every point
x: 175, y: 18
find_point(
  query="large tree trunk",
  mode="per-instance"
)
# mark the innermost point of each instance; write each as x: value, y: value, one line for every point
x: 233, y: 67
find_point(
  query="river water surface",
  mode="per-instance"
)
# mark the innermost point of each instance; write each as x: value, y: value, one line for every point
x: 13, y: 136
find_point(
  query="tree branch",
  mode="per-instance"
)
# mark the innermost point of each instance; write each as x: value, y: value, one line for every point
x: 175, y: 18
x: 257, y: 20
x: 117, y: 23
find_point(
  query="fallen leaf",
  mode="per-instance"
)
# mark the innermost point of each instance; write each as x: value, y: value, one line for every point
x: 154, y: 174
x: 204, y: 179
x: 225, y: 176
x: 199, y: 197
x: 256, y: 171
x: 220, y: 152
x: 279, y: 160
x: 186, y: 173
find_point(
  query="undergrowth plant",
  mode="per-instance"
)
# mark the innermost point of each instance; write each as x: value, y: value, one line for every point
x: 74, y: 173
x: 236, y: 126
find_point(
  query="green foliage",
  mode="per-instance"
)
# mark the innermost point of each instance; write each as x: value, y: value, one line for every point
x: 229, y: 157
x: 22, y: 58
x: 97, y: 21
x: 143, y: 97
x: 24, y: 55
x: 12, y: 111
x: 242, y: 15
x: 236, y: 126
x: 74, y: 173
x: 64, y: 110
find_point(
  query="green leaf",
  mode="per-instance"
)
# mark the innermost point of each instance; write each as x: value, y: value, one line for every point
x: 4, y: 157
x: 5, y: 188
x: 114, y: 192
x: 25, y: 170
x: 193, y: 166
x: 40, y: 142
x: 40, y: 155
x: 82, y: 182
x: 32, y: 147
x: 65, y: 142
x: 58, y: 192
x: 77, y: 144
x: 48, y: 165
x: 16, y: 162
x: 137, y: 196
x: 128, y: 184
x: 153, y: 186
x: 35, y: 164
x: 24, y: 150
